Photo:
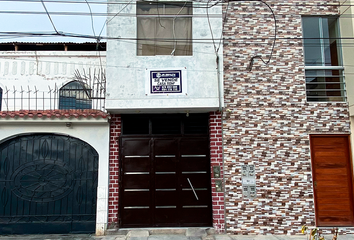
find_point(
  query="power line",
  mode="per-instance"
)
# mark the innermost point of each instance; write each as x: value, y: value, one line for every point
x: 198, y: 4
x: 197, y: 40
x: 115, y: 15
x: 323, y: 3
x: 92, y: 24
x: 45, y: 8
x: 89, y: 14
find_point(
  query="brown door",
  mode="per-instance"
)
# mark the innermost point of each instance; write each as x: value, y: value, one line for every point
x: 165, y: 182
x: 332, y: 177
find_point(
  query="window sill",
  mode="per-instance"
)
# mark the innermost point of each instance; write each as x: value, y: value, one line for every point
x: 324, y: 67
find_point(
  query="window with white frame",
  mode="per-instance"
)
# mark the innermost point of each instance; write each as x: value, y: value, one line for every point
x: 164, y: 28
x: 323, y: 63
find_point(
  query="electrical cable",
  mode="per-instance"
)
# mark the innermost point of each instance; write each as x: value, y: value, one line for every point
x: 107, y: 21
x: 245, y: 40
x: 45, y: 8
x: 92, y: 23
x: 173, y: 29
x: 158, y: 15
x: 250, y: 65
x: 99, y: 65
x: 210, y: 28
x: 323, y: 3
x: 61, y: 13
x: 223, y: 25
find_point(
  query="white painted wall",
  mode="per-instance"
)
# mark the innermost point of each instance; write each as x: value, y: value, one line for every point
x: 126, y: 72
x: 347, y: 42
x: 42, y: 71
x: 95, y: 133
x: 347, y: 33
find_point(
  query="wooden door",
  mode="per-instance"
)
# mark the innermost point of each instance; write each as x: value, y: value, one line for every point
x: 332, y: 178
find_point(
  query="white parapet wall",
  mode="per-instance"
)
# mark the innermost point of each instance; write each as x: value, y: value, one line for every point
x: 31, y: 79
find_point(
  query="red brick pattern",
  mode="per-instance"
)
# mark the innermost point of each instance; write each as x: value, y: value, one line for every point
x: 115, y: 131
x: 60, y: 113
x: 216, y: 159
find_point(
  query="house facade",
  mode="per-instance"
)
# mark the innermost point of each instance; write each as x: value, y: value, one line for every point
x: 230, y: 116
x: 289, y: 119
x: 278, y: 132
x: 54, y: 138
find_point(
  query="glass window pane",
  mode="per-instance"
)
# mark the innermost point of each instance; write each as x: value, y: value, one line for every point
x: 168, y: 124
x: 133, y: 124
x: 164, y: 8
x: 320, y: 41
x: 330, y: 34
x: 161, y: 34
x: 312, y: 43
x: 75, y: 95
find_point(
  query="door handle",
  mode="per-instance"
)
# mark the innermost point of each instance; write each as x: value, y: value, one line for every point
x: 195, y: 194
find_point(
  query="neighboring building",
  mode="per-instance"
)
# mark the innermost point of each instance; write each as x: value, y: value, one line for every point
x: 289, y: 119
x: 54, y: 138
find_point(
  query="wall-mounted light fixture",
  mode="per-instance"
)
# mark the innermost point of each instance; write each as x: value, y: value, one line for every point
x: 68, y: 124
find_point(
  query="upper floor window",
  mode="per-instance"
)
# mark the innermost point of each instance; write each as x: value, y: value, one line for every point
x: 323, y: 63
x: 75, y: 95
x: 164, y: 28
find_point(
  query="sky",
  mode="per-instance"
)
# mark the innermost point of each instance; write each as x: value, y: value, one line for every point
x: 70, y: 22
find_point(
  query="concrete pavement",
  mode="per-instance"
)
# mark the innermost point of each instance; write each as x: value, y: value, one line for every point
x: 167, y: 234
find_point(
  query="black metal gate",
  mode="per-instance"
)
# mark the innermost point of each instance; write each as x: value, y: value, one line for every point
x: 165, y: 175
x: 48, y: 184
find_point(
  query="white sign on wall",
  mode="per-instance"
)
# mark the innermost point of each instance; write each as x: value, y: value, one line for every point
x: 166, y: 81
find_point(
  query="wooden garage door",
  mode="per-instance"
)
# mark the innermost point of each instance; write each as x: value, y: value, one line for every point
x: 165, y: 178
x: 332, y: 176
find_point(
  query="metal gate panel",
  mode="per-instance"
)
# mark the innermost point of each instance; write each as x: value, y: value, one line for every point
x: 195, y: 179
x: 48, y: 184
x: 165, y: 182
x: 136, y: 194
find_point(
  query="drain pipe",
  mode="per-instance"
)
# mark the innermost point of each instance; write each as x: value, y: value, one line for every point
x: 220, y: 95
x: 219, y: 81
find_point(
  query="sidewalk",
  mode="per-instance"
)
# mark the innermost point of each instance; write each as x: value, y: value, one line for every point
x: 171, y: 234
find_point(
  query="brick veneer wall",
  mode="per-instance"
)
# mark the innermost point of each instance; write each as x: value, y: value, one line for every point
x: 113, y: 199
x: 268, y: 120
x: 216, y: 159
x: 215, y: 122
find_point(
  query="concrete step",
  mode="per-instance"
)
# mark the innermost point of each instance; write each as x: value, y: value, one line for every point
x: 161, y: 233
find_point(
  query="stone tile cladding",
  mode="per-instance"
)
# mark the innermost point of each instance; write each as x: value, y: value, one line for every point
x: 216, y: 159
x: 267, y: 120
x: 115, y: 131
